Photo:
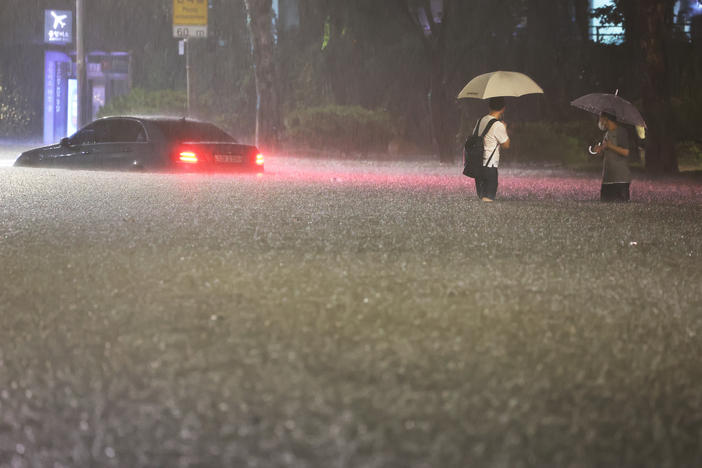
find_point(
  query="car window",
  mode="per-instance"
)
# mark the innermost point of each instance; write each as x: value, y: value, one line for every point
x: 192, y: 131
x: 102, y: 131
x: 126, y: 131
x: 87, y: 135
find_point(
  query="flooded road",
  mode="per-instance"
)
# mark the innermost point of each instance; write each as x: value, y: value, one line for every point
x: 347, y: 314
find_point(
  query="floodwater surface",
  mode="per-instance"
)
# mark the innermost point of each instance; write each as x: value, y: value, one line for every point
x: 347, y: 314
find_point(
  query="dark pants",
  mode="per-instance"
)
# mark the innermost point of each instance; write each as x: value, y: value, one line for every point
x: 486, y: 183
x: 614, y: 193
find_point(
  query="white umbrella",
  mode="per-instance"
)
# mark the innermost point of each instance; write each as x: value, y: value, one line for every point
x: 500, y: 83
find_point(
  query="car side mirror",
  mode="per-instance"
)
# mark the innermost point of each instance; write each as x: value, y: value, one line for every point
x: 65, y: 142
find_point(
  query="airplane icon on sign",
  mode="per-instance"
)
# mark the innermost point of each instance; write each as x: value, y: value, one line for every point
x: 59, y: 20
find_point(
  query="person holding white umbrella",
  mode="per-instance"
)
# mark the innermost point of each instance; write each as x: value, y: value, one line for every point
x: 495, y: 139
x: 494, y: 87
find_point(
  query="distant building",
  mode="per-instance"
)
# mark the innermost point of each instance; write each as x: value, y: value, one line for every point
x: 288, y: 13
x: 108, y: 76
x: 602, y: 33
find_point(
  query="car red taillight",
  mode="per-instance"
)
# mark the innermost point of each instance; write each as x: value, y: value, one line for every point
x: 187, y: 157
x: 259, y: 159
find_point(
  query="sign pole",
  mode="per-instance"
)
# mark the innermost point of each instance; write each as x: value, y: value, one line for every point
x: 187, y: 73
x: 189, y: 22
x: 80, y: 61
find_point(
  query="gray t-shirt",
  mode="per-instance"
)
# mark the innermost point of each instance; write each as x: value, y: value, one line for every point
x: 616, y: 167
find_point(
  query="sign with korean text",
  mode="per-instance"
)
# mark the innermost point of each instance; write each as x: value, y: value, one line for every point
x: 58, y: 27
x: 190, y: 18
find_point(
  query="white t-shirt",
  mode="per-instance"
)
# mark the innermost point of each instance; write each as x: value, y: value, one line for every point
x: 494, y: 138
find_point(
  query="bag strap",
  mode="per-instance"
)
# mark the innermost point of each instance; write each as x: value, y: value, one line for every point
x: 493, y: 154
x: 487, y: 129
x: 477, y: 126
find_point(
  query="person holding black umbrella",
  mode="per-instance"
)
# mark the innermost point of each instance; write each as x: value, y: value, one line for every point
x: 616, y: 175
x: 615, y: 113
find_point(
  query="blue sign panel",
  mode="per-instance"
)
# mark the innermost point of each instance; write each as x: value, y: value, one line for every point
x: 57, y: 66
x: 49, y: 96
x: 58, y: 27
x: 61, y: 100
x: 72, y: 124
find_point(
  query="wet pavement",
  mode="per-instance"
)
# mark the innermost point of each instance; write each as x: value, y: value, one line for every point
x: 347, y: 314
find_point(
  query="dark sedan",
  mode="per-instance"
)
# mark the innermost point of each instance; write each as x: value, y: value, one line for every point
x: 147, y: 143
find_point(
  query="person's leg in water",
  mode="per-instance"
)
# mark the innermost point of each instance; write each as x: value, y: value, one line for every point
x: 624, y: 194
x: 490, y: 184
x: 614, y: 192
x: 479, y: 186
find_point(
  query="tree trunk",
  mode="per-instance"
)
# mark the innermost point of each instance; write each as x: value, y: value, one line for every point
x: 262, y: 37
x: 654, y: 27
x: 434, y: 42
x: 440, y: 109
x: 554, y: 49
x: 582, y: 19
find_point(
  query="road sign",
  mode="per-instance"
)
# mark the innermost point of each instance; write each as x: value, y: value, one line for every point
x: 190, y: 32
x: 190, y: 18
x: 58, y: 27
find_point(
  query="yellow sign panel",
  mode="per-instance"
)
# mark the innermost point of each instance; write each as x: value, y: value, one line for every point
x: 190, y: 12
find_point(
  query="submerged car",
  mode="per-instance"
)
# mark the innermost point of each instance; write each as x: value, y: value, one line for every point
x: 147, y: 143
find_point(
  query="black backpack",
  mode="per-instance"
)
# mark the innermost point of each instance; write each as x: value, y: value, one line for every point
x: 474, y: 150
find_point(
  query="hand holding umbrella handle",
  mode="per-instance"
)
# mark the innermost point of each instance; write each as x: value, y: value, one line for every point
x: 599, y: 145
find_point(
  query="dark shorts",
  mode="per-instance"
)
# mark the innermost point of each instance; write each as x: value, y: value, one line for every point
x: 486, y: 183
x: 614, y: 193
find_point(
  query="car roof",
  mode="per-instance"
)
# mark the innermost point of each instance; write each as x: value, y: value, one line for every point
x: 154, y: 118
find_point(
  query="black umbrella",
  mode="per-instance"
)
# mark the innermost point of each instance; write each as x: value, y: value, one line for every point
x: 597, y: 103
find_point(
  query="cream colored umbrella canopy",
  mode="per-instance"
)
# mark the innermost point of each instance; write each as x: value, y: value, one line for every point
x: 500, y: 83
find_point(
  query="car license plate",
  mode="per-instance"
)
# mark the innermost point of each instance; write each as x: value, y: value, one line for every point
x: 229, y: 158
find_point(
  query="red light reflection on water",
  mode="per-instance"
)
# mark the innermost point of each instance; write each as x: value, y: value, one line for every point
x: 515, y: 184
